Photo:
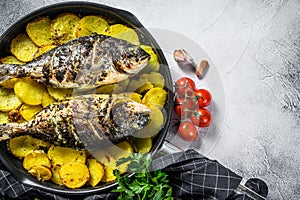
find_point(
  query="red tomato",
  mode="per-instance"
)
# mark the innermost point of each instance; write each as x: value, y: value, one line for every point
x: 203, y: 96
x: 201, y: 117
x: 179, y: 110
x: 187, y: 131
x: 188, y: 102
x: 185, y: 85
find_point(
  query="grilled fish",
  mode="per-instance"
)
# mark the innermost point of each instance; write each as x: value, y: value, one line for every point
x: 85, y: 62
x: 86, y: 119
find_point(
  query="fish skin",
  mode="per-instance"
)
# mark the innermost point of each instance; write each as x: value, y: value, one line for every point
x: 85, y: 62
x: 86, y: 119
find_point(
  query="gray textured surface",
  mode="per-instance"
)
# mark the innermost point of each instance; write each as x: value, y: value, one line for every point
x: 255, y: 46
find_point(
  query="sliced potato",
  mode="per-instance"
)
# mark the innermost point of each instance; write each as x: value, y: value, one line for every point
x: 28, y: 111
x: 41, y: 172
x: 91, y: 24
x: 11, y: 60
x: 153, y: 64
x: 36, y: 157
x: 29, y: 91
x: 74, y: 174
x: 60, y: 155
x: 108, y: 174
x: 44, y: 49
x: 22, y: 145
x: 47, y: 99
x: 23, y: 48
x: 8, y: 100
x: 134, y: 85
x: 121, y: 150
x: 123, y: 32
x: 155, y: 96
x: 155, y: 78
x: 55, y: 174
x: 39, y: 31
x: 3, y: 118
x: 133, y: 96
x: 60, y: 94
x: 96, y: 170
x: 10, y: 83
x: 142, y: 145
x: 109, y: 163
x: 63, y: 27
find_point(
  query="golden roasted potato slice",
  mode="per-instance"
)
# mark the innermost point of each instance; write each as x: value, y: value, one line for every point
x: 23, y: 48
x: 142, y: 145
x: 22, y: 145
x: 155, y: 96
x: 29, y: 91
x: 74, y: 174
x: 91, y: 24
x: 133, y: 96
x: 137, y: 85
x: 41, y: 172
x: 47, y: 99
x: 60, y: 155
x: 36, y: 157
x: 109, y: 163
x: 121, y: 150
x: 11, y: 60
x: 55, y: 174
x: 123, y: 32
x: 60, y: 94
x: 96, y: 170
x: 28, y: 111
x: 39, y: 31
x: 155, y: 78
x: 10, y: 83
x: 3, y: 117
x: 44, y: 49
x: 63, y: 27
x: 153, y: 64
x: 8, y: 100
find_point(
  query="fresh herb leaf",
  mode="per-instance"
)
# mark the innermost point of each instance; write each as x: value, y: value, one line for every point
x: 144, y: 185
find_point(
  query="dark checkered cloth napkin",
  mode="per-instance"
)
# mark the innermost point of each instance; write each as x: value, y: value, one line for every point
x: 191, y: 176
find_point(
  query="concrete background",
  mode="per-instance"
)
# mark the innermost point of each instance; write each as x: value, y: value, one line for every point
x: 255, y: 46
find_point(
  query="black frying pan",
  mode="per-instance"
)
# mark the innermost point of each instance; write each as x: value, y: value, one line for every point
x: 83, y: 8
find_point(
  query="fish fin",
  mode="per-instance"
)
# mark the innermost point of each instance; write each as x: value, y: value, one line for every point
x: 9, y: 130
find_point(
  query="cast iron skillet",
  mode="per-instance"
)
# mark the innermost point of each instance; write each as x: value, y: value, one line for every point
x: 83, y: 8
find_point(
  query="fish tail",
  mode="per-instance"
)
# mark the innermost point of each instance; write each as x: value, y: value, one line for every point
x: 8, y: 71
x: 10, y: 130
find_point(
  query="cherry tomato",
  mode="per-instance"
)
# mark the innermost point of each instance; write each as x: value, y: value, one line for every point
x: 187, y: 131
x: 185, y: 85
x: 179, y: 110
x: 201, y: 117
x: 188, y: 102
x: 203, y: 96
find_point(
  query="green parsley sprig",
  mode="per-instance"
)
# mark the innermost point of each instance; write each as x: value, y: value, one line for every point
x: 144, y: 185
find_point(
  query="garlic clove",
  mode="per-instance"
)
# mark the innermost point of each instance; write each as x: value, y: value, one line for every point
x: 201, y: 68
x: 182, y: 57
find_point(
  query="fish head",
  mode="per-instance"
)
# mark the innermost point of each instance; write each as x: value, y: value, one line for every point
x: 129, y: 116
x: 131, y: 59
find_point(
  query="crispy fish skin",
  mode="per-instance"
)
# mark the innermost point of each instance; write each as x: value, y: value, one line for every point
x: 84, y: 119
x: 84, y: 62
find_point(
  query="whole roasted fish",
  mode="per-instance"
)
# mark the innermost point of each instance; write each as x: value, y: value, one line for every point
x: 85, y: 62
x: 87, y: 119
